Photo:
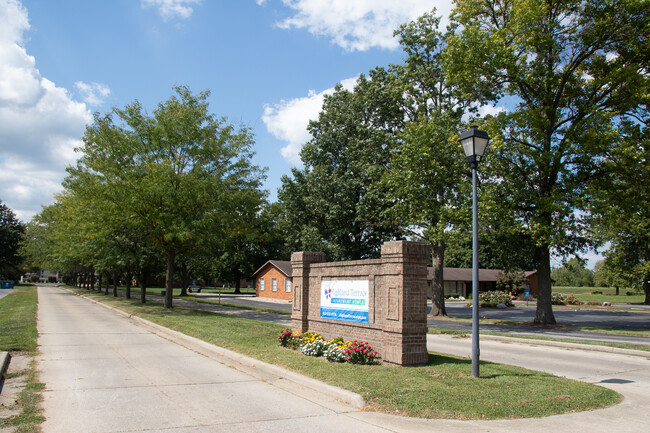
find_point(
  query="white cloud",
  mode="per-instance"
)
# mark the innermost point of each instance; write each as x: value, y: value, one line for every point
x: 172, y: 8
x: 288, y: 120
x: 490, y: 110
x: 93, y: 93
x: 40, y: 124
x: 360, y: 24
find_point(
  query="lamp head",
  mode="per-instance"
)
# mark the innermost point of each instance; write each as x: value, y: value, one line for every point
x: 474, y: 142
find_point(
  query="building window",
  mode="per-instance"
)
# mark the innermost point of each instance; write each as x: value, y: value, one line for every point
x: 287, y: 285
x: 274, y: 284
x: 261, y: 284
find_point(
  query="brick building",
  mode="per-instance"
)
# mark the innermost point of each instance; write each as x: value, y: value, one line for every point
x: 273, y: 280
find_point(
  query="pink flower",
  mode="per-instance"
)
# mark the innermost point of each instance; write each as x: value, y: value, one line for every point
x: 349, y: 358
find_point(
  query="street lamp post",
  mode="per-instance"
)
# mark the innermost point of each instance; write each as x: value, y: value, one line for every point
x: 474, y: 142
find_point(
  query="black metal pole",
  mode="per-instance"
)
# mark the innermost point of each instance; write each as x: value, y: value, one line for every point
x: 475, y: 281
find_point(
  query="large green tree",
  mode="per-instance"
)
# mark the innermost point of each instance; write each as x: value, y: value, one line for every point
x: 621, y: 207
x: 172, y: 172
x: 427, y: 178
x: 333, y: 203
x: 11, y: 235
x: 566, y: 68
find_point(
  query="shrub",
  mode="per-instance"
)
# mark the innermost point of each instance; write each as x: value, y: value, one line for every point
x: 494, y: 298
x: 572, y: 300
x: 361, y: 353
x: 289, y: 339
x: 314, y: 348
x: 511, y: 281
x: 336, y: 353
x: 562, y: 299
x: 597, y: 292
x: 558, y: 299
x: 310, y: 337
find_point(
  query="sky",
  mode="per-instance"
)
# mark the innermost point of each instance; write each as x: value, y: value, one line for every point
x: 267, y: 63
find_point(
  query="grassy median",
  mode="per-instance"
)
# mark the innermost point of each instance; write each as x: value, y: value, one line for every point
x: 444, y: 388
x: 18, y: 336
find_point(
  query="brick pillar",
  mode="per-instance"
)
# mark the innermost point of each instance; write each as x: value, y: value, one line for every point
x: 300, y: 263
x: 406, y: 300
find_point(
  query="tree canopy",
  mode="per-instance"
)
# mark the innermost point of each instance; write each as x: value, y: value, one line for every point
x: 570, y: 67
x: 11, y: 235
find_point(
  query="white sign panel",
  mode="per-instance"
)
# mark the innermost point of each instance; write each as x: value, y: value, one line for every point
x: 345, y: 300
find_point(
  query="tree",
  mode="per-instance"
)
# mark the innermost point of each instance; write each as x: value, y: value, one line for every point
x: 621, y: 214
x: 573, y: 273
x: 333, y: 203
x: 428, y: 177
x: 566, y: 66
x: 511, y: 281
x: 383, y: 162
x: 11, y: 235
x: 171, y: 172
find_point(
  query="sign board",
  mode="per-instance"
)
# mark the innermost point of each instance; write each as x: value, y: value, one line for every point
x: 345, y: 300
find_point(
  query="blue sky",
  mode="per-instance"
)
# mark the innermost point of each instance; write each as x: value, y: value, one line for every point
x: 266, y: 62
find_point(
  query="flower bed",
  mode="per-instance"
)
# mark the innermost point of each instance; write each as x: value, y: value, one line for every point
x: 336, y: 350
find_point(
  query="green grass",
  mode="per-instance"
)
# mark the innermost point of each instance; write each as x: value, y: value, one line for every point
x: 18, y: 334
x: 585, y: 294
x: 444, y: 388
x: 18, y: 320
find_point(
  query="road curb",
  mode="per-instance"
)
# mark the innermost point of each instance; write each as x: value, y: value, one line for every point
x: 5, y: 357
x: 268, y: 372
x: 567, y: 345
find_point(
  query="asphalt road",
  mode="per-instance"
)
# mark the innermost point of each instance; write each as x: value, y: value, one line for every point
x: 105, y: 372
x: 634, y: 318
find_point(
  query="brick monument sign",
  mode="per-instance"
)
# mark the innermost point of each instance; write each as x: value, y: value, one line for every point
x: 381, y: 301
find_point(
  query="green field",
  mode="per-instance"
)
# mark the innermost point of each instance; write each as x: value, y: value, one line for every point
x: 586, y: 294
x: 18, y: 336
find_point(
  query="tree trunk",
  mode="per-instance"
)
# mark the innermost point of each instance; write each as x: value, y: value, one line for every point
x: 646, y: 289
x: 169, y: 280
x: 237, y: 281
x: 437, y: 283
x: 115, y: 280
x: 143, y: 285
x: 99, y: 283
x: 127, y: 289
x: 544, y: 315
x: 92, y: 278
x: 185, y: 279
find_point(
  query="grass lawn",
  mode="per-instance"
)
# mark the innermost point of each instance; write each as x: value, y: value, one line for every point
x: 585, y: 294
x: 18, y: 335
x: 444, y: 388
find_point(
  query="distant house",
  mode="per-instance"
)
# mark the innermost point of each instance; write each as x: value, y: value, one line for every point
x: 273, y: 280
x: 459, y: 281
